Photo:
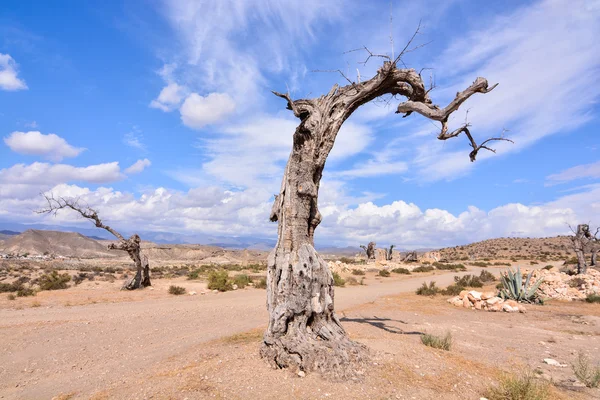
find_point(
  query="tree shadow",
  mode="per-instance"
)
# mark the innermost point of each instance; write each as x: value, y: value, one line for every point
x: 382, y: 323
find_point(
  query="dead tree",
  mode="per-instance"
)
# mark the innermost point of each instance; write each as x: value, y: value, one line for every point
x: 411, y: 256
x: 132, y: 245
x: 584, y: 242
x: 369, y: 250
x: 304, y: 333
x: 389, y: 253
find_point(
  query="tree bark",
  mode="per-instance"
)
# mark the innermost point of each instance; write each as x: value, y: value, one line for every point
x: 304, y: 333
x: 132, y: 246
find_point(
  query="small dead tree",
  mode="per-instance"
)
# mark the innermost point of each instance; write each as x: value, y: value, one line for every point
x: 584, y: 242
x: 389, y: 253
x: 132, y: 245
x: 304, y: 333
x: 369, y: 250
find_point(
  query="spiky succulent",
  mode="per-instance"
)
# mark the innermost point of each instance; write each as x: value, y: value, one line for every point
x: 515, y: 289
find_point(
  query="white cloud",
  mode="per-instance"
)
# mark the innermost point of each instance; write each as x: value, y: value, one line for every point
x: 134, y: 139
x: 51, y: 146
x: 44, y: 174
x: 198, y: 111
x: 8, y: 74
x: 591, y: 170
x: 169, y: 98
x: 138, y: 166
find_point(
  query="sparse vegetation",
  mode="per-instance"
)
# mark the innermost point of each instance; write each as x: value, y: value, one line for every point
x: 486, y: 276
x: 428, y: 290
x: 437, y: 342
x: 423, y: 269
x: 402, y: 271
x: 452, y: 290
x: 468, y: 281
x: 54, y: 281
x: 576, y: 282
x: 513, y: 287
x: 449, y: 267
x: 338, y: 280
x: 358, y: 272
x: 519, y: 386
x: 587, y: 374
x: 593, y: 298
x: 241, y: 280
x: 11, y: 296
x: 261, y: 284
x: 25, y: 292
x: 384, y: 272
x: 219, y: 280
x: 480, y: 264
x: 547, y: 267
x: 352, y: 281
x: 176, y: 290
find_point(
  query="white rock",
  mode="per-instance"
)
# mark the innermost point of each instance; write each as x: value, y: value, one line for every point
x: 553, y: 362
x: 475, y: 294
x: 193, y: 293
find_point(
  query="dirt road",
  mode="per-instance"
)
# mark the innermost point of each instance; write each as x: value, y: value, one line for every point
x: 83, y: 349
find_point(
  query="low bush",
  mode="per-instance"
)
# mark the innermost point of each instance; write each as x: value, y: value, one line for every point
x: 587, y: 374
x: 428, y: 290
x: 25, y: 292
x: 241, y: 280
x: 194, y: 274
x: 593, y: 298
x: 219, y: 280
x: 11, y: 296
x: 576, y: 282
x: 437, y: 342
x: 449, y: 267
x: 384, y: 272
x: 347, y: 260
x: 548, y: 266
x: 519, y: 386
x: 486, y: 276
x: 358, y: 272
x: 402, y: 271
x: 452, y: 290
x: 469, y: 280
x: 352, y: 281
x: 423, y: 269
x: 261, y: 284
x: 502, y: 263
x: 338, y: 280
x: 54, y: 281
x: 176, y: 290
x: 480, y: 264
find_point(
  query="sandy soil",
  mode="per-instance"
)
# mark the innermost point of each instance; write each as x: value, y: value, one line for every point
x: 94, y: 341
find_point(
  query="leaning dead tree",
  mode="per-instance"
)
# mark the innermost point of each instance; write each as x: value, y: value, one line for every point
x: 132, y: 245
x: 389, y: 253
x: 304, y: 333
x: 584, y: 242
x: 369, y: 250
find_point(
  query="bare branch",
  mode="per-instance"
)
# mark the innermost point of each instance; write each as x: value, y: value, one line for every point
x: 334, y: 70
x: 290, y: 102
x: 56, y: 204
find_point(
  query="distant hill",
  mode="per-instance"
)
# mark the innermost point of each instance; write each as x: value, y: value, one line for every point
x: 507, y: 248
x: 68, y: 244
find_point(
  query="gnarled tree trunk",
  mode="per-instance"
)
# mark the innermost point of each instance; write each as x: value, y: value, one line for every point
x: 133, y: 247
x: 304, y: 333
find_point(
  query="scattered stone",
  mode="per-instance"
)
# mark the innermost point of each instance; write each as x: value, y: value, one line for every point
x: 235, y: 287
x: 485, y: 301
x: 301, y: 374
x: 192, y: 293
x: 553, y: 362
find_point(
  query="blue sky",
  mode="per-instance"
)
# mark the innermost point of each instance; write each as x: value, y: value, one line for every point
x: 160, y: 115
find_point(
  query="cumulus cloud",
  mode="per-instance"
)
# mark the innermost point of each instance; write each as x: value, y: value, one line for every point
x: 591, y: 170
x: 8, y: 74
x: 169, y: 97
x: 138, y: 166
x: 198, y: 111
x: 48, y: 174
x: 51, y: 146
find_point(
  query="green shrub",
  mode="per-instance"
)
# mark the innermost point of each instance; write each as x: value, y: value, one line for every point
x: 338, y: 280
x: 347, y: 260
x: 219, y: 280
x: 261, y: 284
x: 426, y: 290
x: 242, y: 280
x: 194, y: 274
x: 11, y: 296
x: 452, y: 290
x: 25, y: 292
x: 176, y: 290
x: 502, y: 263
x: 520, y: 386
x: 54, y: 281
x: 384, y: 272
x: 358, y: 272
x: 437, y: 342
x: 468, y: 280
x: 480, y: 264
x: 586, y: 373
x: 352, y: 281
x: 449, y: 267
x: 593, y: 298
x: 486, y: 276
x: 548, y: 266
x: 402, y: 271
x: 533, y: 262
x: 423, y: 269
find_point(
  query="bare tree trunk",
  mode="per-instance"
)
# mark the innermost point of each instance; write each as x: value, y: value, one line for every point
x: 594, y: 258
x: 132, y: 246
x: 581, y: 242
x: 304, y: 333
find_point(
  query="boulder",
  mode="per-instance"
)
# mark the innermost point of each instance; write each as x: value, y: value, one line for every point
x: 487, y: 295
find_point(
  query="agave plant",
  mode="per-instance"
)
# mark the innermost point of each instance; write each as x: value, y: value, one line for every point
x: 514, y: 288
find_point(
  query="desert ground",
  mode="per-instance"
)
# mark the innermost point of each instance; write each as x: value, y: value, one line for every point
x: 95, y: 341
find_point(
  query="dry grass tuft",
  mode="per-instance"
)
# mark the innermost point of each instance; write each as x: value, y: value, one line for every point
x: 437, y: 342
